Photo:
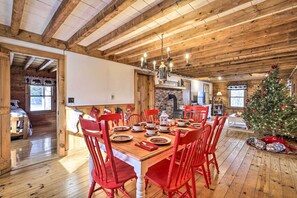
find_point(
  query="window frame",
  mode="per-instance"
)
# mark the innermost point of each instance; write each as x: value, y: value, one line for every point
x: 42, y: 96
x: 244, y: 98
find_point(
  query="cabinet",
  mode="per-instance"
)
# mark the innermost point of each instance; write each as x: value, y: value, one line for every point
x: 218, y: 109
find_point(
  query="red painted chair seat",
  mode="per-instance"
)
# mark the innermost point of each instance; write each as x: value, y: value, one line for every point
x: 159, y: 171
x: 125, y: 172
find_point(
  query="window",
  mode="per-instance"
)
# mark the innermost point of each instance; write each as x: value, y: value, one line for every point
x: 41, y: 98
x: 237, y: 98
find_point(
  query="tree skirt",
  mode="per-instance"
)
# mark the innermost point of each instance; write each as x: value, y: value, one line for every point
x: 272, y: 144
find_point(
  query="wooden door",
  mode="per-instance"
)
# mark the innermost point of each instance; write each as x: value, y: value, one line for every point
x: 4, y: 111
x: 144, y: 92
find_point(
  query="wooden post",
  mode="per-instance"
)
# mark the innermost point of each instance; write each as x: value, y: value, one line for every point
x: 4, y: 111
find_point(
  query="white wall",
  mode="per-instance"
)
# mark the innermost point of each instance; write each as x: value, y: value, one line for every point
x: 91, y: 81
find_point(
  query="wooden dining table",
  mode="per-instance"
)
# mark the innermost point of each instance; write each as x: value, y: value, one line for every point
x: 139, y: 158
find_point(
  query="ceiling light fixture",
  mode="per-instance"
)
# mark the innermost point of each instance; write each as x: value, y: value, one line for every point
x: 165, y: 68
x: 219, y: 78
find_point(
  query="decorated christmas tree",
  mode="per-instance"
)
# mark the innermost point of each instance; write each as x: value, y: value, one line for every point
x: 270, y: 111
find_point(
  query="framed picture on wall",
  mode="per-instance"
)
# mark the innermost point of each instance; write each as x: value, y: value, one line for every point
x: 206, y: 88
x: 206, y: 93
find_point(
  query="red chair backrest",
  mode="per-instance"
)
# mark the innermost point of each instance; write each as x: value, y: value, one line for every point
x: 184, y: 151
x: 94, y: 112
x: 134, y: 119
x: 151, y: 115
x: 112, y: 119
x: 216, y: 131
x: 92, y: 134
x: 202, y: 143
x: 200, y: 113
x: 188, y: 111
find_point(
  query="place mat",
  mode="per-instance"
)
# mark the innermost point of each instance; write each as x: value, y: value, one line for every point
x: 149, y: 146
x: 182, y: 132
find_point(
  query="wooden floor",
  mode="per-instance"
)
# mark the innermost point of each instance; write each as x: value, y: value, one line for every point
x: 41, y: 146
x: 245, y: 172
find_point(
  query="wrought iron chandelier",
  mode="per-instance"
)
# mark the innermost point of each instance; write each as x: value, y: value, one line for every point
x: 165, y: 69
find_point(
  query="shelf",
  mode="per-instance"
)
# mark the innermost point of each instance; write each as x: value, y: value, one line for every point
x: 168, y: 87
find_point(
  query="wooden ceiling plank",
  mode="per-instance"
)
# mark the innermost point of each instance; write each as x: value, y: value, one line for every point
x: 45, y: 64
x: 64, y: 10
x: 16, y: 17
x: 257, y: 29
x: 209, y: 10
x: 29, y: 62
x: 248, y: 15
x: 105, y: 15
x: 163, y: 8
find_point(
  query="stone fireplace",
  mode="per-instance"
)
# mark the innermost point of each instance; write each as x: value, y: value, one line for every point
x: 163, y: 102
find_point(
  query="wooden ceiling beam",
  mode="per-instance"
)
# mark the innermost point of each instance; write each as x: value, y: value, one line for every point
x: 11, y: 56
x: 105, y: 15
x: 45, y: 64
x: 249, y: 15
x: 16, y: 17
x: 163, y: 8
x: 53, y: 69
x: 29, y: 62
x: 64, y: 10
x: 209, y: 10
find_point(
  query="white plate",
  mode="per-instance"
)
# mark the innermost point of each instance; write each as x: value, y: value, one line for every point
x: 121, y: 128
x: 121, y: 138
x: 159, y: 140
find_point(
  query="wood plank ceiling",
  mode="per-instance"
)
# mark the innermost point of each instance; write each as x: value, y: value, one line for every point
x: 233, y: 39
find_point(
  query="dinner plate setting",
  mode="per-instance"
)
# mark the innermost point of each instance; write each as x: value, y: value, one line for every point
x: 159, y: 140
x: 121, y: 138
x: 121, y: 128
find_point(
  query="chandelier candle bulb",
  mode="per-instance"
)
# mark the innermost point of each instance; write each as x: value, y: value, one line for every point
x: 145, y: 55
x: 170, y: 66
x: 154, y: 63
x: 168, y: 51
x: 187, y: 58
x: 141, y: 61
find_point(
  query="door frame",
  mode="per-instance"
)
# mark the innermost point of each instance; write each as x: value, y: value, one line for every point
x: 62, y: 140
x: 151, y: 89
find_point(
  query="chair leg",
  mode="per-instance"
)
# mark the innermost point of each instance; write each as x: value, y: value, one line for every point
x: 146, y: 183
x: 112, y: 193
x: 169, y: 194
x: 188, y: 189
x: 208, y: 169
x: 193, y: 183
x: 205, y: 175
x: 216, y: 163
x: 91, y: 190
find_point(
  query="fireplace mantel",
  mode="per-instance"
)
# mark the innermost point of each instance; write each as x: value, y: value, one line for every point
x: 162, y: 86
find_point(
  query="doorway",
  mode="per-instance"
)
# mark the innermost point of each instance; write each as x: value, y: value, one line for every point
x: 33, y: 119
x: 144, y: 92
x: 58, y: 129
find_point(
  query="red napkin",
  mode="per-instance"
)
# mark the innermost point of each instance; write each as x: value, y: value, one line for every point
x: 149, y: 147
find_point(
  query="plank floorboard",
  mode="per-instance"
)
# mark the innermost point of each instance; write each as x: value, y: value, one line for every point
x: 244, y: 172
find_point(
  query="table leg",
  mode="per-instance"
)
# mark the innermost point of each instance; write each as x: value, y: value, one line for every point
x: 140, y: 170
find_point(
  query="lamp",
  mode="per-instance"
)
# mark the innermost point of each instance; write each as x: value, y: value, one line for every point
x: 165, y: 68
x: 219, y: 94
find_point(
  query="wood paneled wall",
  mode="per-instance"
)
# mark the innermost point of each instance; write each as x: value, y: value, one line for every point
x: 75, y: 140
x: 18, y: 92
x: 222, y: 87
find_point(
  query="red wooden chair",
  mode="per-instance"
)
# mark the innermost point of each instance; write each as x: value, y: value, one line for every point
x: 109, y: 174
x: 173, y: 174
x: 112, y: 119
x: 94, y: 112
x: 134, y: 119
x: 199, y: 113
x: 215, y: 134
x: 188, y: 112
x: 151, y: 115
x: 200, y: 158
